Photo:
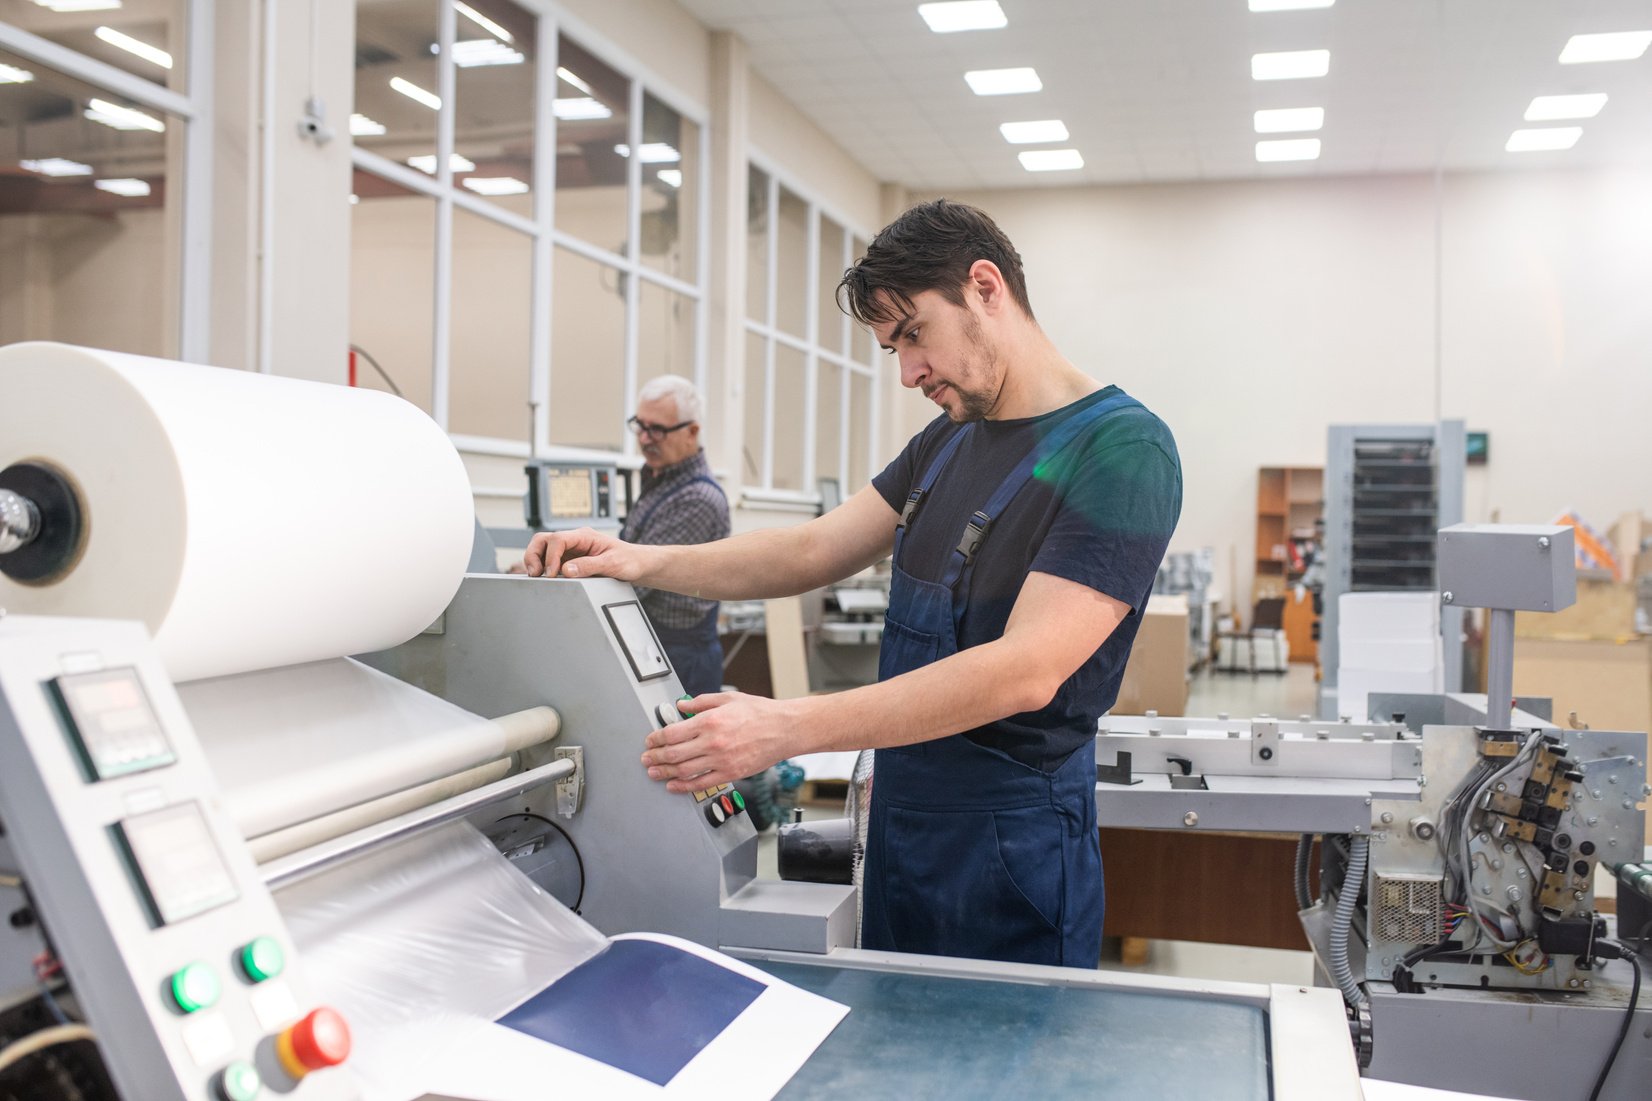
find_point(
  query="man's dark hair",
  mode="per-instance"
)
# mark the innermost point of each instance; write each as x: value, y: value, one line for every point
x: 929, y: 248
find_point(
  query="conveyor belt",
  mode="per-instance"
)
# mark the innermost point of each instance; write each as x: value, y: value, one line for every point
x: 915, y: 1036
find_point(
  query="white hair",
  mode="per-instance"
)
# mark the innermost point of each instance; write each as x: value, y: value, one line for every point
x: 678, y: 389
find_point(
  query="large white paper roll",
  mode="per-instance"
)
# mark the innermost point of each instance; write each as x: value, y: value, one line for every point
x: 248, y: 520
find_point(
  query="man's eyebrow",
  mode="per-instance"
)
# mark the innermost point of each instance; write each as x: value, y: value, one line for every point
x: 899, y: 329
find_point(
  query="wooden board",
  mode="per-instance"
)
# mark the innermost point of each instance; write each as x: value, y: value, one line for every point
x: 1222, y: 888
x: 1299, y: 627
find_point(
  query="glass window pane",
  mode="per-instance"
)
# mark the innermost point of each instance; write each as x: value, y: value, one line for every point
x: 496, y: 69
x: 757, y: 245
x: 828, y: 419
x: 755, y: 426
x: 88, y: 224
x: 789, y: 382
x: 860, y: 340
x: 488, y: 366
x: 792, y: 264
x: 860, y: 432
x: 831, y: 270
x: 392, y: 286
x: 670, y: 190
x: 592, y: 117
x: 395, y: 63
x: 665, y: 334
x: 145, y: 39
x: 587, y: 354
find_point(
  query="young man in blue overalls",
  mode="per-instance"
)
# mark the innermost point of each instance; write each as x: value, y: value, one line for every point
x: 1027, y: 523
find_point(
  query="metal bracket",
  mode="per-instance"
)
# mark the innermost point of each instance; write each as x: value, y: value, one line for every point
x: 1116, y: 773
x: 1264, y: 742
x: 570, y: 791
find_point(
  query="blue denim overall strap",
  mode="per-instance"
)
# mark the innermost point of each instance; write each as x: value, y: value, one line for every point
x: 971, y: 852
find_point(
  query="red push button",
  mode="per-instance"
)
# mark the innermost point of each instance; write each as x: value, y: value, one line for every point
x: 728, y: 805
x: 320, y: 1040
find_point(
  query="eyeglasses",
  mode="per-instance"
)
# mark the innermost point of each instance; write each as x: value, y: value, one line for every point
x: 654, y: 431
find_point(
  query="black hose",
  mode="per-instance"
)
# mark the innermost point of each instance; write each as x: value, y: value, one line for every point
x: 1623, y: 953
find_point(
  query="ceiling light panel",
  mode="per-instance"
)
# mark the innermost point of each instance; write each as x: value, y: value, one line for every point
x: 152, y: 54
x: 1289, y: 5
x: 963, y: 15
x: 11, y: 74
x: 1289, y: 120
x: 671, y: 176
x: 1545, y: 139
x: 496, y: 185
x: 474, y: 52
x: 1051, y: 160
x: 482, y: 21
x: 427, y: 163
x: 122, y: 118
x: 1027, y: 133
x: 579, y: 109
x: 1617, y: 46
x: 130, y: 188
x: 1291, y: 149
x: 57, y: 166
x: 79, y: 5
x: 1003, y: 82
x: 1551, y: 108
x: 416, y: 94
x: 363, y: 127
x: 1290, y: 65
x: 654, y: 152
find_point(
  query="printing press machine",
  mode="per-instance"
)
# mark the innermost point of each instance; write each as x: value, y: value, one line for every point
x: 158, y: 830
x: 1458, y: 846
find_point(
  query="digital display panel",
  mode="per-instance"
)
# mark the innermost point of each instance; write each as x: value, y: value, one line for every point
x: 568, y: 493
x: 111, y: 722
x: 176, y: 862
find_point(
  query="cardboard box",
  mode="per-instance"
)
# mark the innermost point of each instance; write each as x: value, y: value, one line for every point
x: 1607, y: 684
x: 1156, y: 677
x: 1604, y: 610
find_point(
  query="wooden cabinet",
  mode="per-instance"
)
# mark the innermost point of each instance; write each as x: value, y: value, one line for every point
x: 1288, y: 501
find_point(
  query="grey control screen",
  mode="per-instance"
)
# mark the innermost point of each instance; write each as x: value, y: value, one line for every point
x: 114, y: 728
x: 176, y: 862
x: 636, y: 638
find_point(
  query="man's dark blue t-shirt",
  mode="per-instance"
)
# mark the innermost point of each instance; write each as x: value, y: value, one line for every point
x: 1100, y: 513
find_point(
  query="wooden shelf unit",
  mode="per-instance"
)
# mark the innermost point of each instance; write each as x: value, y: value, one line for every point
x: 1288, y: 499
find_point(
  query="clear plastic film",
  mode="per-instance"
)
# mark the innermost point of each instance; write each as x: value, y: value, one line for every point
x: 421, y: 944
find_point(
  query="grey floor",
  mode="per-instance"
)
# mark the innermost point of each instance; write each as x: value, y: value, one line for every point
x: 1289, y: 695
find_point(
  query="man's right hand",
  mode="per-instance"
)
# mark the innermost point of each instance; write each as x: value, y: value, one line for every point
x: 581, y: 553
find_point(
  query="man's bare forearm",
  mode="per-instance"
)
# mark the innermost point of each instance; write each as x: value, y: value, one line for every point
x: 757, y: 565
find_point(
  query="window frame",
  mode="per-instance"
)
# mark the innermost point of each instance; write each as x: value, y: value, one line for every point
x: 190, y: 331
x: 545, y: 238
x: 768, y: 331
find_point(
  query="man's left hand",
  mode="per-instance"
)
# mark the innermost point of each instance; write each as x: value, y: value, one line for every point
x: 731, y: 736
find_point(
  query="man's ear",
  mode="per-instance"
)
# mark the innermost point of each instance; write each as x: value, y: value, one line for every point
x: 989, y: 286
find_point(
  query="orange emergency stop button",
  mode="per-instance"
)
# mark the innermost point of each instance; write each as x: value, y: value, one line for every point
x: 320, y: 1040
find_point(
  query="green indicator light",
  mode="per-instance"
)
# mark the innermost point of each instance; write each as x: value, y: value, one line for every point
x: 263, y: 959
x: 240, y: 1082
x: 195, y: 987
x: 739, y: 801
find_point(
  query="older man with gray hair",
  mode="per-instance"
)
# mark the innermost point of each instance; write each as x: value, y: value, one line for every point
x: 680, y: 503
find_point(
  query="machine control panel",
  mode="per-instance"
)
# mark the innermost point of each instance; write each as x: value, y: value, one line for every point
x: 177, y: 956
x: 717, y: 804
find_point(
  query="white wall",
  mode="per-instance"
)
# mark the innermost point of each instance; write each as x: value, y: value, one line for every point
x: 1251, y: 316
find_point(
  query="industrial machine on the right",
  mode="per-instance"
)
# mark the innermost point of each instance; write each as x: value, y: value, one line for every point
x: 1459, y: 838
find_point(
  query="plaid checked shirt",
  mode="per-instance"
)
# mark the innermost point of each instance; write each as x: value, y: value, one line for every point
x: 674, y: 508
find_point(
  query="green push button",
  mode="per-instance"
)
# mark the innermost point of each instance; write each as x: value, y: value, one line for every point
x: 195, y: 987
x: 263, y: 959
x: 739, y: 800
x: 239, y: 1082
